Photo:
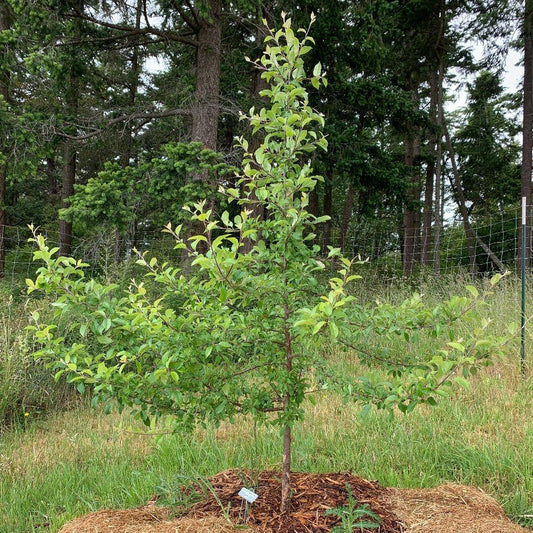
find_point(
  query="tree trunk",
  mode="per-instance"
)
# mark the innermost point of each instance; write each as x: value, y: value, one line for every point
x: 346, y: 216
x: 70, y: 154
x: 438, y: 173
x: 430, y: 171
x: 527, y: 126
x: 411, y: 217
x: 206, y: 95
x: 3, y: 179
x: 286, y: 471
x: 328, y: 206
x: 67, y: 190
x: 5, y: 23
x: 287, y: 436
x: 471, y: 235
x: 205, y: 108
x: 133, y: 87
x: 122, y: 238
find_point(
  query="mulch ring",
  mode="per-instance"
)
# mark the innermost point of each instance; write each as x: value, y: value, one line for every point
x: 312, y: 495
x: 445, y: 509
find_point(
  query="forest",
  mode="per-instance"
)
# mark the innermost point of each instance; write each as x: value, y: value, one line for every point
x: 115, y: 114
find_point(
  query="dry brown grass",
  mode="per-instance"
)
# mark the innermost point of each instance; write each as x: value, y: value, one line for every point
x: 72, y: 437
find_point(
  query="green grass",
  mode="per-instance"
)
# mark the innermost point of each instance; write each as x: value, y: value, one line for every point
x: 66, y: 464
x: 79, y: 461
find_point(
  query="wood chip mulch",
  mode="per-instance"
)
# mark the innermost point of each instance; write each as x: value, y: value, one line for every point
x: 312, y: 495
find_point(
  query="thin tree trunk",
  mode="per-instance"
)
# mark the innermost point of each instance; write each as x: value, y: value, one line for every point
x: 5, y: 23
x: 286, y: 471
x: 430, y: 171
x: 67, y: 189
x: 471, y: 235
x: 438, y: 173
x: 328, y: 206
x: 3, y: 179
x: 346, y: 216
x: 70, y: 154
x: 527, y: 126
x: 461, y: 201
x: 411, y: 216
x: 133, y: 87
x: 122, y: 238
x: 287, y: 436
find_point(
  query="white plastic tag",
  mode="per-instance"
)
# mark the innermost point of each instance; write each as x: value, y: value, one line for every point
x: 249, y: 495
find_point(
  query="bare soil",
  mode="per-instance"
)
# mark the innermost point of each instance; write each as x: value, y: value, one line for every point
x: 448, y: 508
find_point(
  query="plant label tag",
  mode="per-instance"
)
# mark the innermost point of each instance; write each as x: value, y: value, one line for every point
x: 249, y: 495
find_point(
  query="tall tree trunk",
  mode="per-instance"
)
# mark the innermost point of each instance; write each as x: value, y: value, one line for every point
x: 205, y: 109
x: 328, y: 207
x: 5, y: 23
x: 127, y: 236
x: 67, y: 189
x: 287, y: 436
x: 346, y: 216
x: 527, y: 124
x: 70, y: 154
x: 461, y: 201
x: 411, y: 216
x: 132, y: 87
x: 430, y: 171
x: 438, y: 172
x: 286, y: 470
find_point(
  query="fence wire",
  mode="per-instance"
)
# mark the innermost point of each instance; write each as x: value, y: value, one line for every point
x: 379, y: 241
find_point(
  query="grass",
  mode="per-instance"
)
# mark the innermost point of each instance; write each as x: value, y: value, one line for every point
x: 66, y: 464
x: 75, y: 462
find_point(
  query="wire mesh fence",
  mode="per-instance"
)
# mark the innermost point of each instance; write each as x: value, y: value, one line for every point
x: 380, y: 241
x: 495, y: 244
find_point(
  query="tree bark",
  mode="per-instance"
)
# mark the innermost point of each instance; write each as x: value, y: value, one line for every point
x: 430, y: 171
x: 527, y: 127
x: 67, y: 189
x: 346, y: 216
x: 5, y: 23
x: 286, y: 471
x: 287, y: 436
x: 328, y: 206
x: 411, y: 217
x: 438, y: 172
x: 206, y: 96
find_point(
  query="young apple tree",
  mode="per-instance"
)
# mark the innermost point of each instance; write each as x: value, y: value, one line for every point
x: 241, y: 333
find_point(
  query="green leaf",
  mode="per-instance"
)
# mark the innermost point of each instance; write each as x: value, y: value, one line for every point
x: 318, y: 326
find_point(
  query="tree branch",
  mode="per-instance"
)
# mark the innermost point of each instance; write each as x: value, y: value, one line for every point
x: 126, y: 118
x: 149, y: 30
x: 193, y: 24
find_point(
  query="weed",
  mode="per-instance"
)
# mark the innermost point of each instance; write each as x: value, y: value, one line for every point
x: 353, y: 516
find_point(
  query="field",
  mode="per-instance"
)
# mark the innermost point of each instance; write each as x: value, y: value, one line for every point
x: 65, y: 463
